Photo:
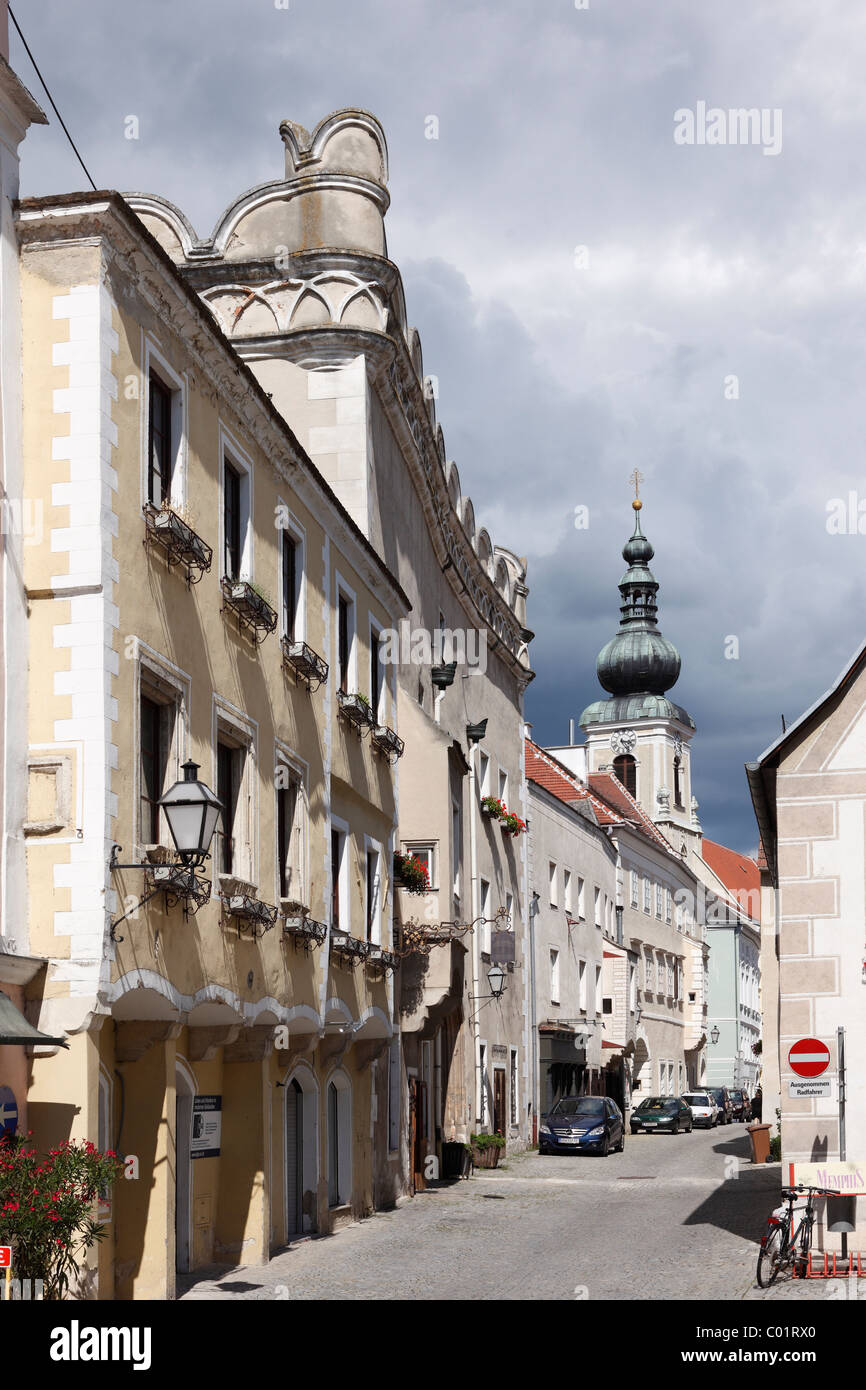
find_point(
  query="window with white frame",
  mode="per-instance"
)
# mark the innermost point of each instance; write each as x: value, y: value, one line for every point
x: 647, y: 894
x: 632, y: 988
x: 292, y: 580
x: 554, y: 976
x: 160, y: 745
x: 649, y: 970
x: 503, y: 786
x: 456, y: 847
x: 566, y: 889
x: 292, y: 828
x: 235, y: 787
x: 340, y: 900
x: 597, y: 906
x: 659, y: 901
x: 347, y: 655
x: 486, y: 927
x: 551, y: 875
x: 581, y: 899
x: 237, y: 559
x: 378, y: 684
x: 425, y: 851
x: 634, y: 888
x: 165, y: 416
x: 581, y: 985
x: 670, y: 978
x: 668, y: 904
x: 373, y: 885
x: 597, y: 1001
x: 483, y: 773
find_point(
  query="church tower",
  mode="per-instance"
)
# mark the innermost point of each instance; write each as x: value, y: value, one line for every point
x: 638, y: 733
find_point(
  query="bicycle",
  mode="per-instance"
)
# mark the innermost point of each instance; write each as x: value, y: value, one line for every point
x: 779, y: 1242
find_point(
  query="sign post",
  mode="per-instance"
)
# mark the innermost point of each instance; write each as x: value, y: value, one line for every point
x: 840, y: 1067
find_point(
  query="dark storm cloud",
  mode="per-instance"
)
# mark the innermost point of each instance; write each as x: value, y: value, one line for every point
x: 555, y: 131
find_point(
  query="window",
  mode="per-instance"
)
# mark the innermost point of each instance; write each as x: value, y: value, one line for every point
x: 632, y: 987
x: 551, y: 874
x: 597, y: 999
x: 659, y: 901
x: 231, y: 521
x: 668, y: 904
x: 647, y: 895
x: 347, y: 667
x: 503, y: 786
x: 607, y: 1004
x: 456, y: 846
x: 625, y: 768
x: 634, y: 888
x: 581, y: 977
x: 229, y: 767
x: 339, y: 881
x: 649, y: 970
x: 566, y: 889
x: 597, y: 906
x: 513, y: 1113
x: 377, y: 674
x: 374, y: 932
x: 678, y: 787
x: 291, y: 585
x: 484, y: 773
x: 154, y: 749
x: 677, y: 982
x: 291, y: 821
x: 581, y: 900
x: 427, y: 855
x: 554, y: 977
x: 509, y: 910
x: 486, y: 928
x: 159, y: 454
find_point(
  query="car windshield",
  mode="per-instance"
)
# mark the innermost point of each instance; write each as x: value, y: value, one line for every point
x: 579, y: 1105
x: 719, y: 1096
x: 696, y: 1100
x: 656, y: 1103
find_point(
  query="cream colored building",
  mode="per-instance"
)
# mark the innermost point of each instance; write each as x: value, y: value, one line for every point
x: 809, y: 794
x: 297, y: 275
x: 194, y: 568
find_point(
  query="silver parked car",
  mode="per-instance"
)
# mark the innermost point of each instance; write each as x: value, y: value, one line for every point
x: 705, y: 1112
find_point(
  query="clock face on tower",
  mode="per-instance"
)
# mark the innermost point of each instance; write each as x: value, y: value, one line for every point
x: 623, y: 741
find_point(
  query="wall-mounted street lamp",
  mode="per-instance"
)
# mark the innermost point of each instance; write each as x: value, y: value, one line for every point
x: 475, y: 732
x: 442, y: 676
x: 192, y: 812
x: 496, y: 981
x: 714, y: 1034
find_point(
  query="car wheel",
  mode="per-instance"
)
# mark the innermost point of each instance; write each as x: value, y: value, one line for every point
x: 675, y: 1129
x: 605, y: 1146
x: 620, y: 1148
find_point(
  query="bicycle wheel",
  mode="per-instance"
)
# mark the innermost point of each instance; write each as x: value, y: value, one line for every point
x: 772, y: 1257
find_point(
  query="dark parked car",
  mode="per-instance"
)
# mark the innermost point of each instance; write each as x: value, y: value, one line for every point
x: 742, y: 1106
x: 721, y: 1096
x: 582, y: 1123
x: 669, y: 1114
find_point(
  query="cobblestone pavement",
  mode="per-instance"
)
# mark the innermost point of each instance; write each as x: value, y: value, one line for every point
x: 674, y: 1216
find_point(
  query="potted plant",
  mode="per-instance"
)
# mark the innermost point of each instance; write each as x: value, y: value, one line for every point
x: 411, y: 873
x: 512, y: 824
x: 493, y: 807
x: 486, y: 1149
x: 48, y: 1207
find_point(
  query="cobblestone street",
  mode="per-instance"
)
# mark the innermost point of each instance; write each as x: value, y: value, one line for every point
x: 673, y: 1217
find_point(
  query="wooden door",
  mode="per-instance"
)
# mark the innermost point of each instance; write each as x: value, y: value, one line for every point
x: 499, y: 1114
x: 417, y: 1131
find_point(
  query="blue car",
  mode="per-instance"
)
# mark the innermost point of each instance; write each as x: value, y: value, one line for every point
x: 578, y: 1124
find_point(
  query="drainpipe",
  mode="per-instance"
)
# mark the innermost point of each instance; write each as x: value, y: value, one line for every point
x: 476, y: 935
x: 533, y: 998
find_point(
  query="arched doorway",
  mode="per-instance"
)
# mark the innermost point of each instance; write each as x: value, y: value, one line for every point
x: 185, y: 1088
x: 641, y: 1083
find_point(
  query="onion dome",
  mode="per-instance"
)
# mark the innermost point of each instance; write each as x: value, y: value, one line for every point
x: 638, y: 665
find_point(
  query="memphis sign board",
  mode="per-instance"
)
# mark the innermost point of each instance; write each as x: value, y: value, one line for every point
x: 846, y: 1178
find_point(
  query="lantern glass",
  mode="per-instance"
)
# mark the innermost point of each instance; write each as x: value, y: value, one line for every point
x: 192, y: 811
x: 496, y: 980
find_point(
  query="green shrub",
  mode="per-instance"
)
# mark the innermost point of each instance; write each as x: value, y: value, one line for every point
x: 487, y: 1141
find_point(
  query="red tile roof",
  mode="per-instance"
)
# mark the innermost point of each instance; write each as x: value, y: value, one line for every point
x: 740, y: 875
x: 613, y: 791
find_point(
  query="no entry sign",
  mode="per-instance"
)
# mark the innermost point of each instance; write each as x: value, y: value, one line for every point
x: 809, y: 1057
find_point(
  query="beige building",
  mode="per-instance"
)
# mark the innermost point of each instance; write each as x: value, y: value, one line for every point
x: 809, y: 795
x: 297, y: 275
x: 201, y: 593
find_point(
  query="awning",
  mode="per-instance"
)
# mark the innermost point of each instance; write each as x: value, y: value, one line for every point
x: 16, y: 1031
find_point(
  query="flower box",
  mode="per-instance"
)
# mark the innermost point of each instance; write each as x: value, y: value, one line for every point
x: 304, y: 929
x: 493, y: 807
x: 349, y: 948
x: 486, y: 1149
x: 512, y: 824
x: 386, y: 960
x: 387, y: 741
x: 305, y: 662
x: 179, y: 541
x: 411, y: 874
x: 248, y: 909
x: 251, y: 608
x: 356, y: 709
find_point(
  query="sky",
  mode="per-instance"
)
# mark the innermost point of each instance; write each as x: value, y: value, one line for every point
x: 593, y: 294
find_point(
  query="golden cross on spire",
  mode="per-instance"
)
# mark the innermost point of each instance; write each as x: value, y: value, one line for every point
x: 636, y: 478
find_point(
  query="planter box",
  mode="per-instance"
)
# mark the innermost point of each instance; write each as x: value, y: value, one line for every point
x: 387, y: 741
x: 355, y: 710
x: 305, y: 662
x: 179, y: 541
x: 251, y: 610
x: 487, y: 1157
